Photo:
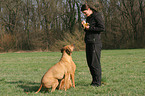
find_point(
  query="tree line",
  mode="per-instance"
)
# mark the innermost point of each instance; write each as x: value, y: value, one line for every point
x: 50, y: 24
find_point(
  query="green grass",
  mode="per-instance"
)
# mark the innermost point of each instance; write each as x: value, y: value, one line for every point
x: 123, y: 72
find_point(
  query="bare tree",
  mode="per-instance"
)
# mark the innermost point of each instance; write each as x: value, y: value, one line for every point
x: 142, y: 13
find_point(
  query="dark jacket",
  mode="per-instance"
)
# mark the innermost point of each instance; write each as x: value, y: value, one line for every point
x: 96, y: 27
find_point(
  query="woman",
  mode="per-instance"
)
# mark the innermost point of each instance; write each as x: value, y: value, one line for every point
x: 93, y: 42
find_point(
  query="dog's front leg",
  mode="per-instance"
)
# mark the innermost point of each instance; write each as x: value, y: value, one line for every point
x: 66, y: 80
x: 73, y: 79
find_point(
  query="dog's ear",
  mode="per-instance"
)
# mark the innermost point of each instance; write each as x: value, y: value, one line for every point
x: 62, y: 50
x: 68, y: 51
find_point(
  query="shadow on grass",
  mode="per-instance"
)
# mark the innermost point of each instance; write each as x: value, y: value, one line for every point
x: 82, y: 83
x: 87, y: 83
x: 27, y: 86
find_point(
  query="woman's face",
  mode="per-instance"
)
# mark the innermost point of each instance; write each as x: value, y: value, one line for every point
x: 87, y: 12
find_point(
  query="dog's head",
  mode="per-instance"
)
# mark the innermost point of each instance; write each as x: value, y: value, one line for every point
x: 68, y: 49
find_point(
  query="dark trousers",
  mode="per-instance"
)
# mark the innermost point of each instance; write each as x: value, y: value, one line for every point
x: 93, y: 54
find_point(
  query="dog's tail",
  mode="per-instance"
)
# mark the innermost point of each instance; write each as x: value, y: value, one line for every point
x: 39, y: 88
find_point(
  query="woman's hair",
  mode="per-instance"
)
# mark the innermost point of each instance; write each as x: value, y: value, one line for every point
x: 86, y: 7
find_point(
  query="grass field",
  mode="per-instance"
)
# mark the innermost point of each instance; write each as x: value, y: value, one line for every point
x: 123, y: 72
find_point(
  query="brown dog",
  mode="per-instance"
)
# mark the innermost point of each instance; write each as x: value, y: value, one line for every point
x: 65, y: 66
